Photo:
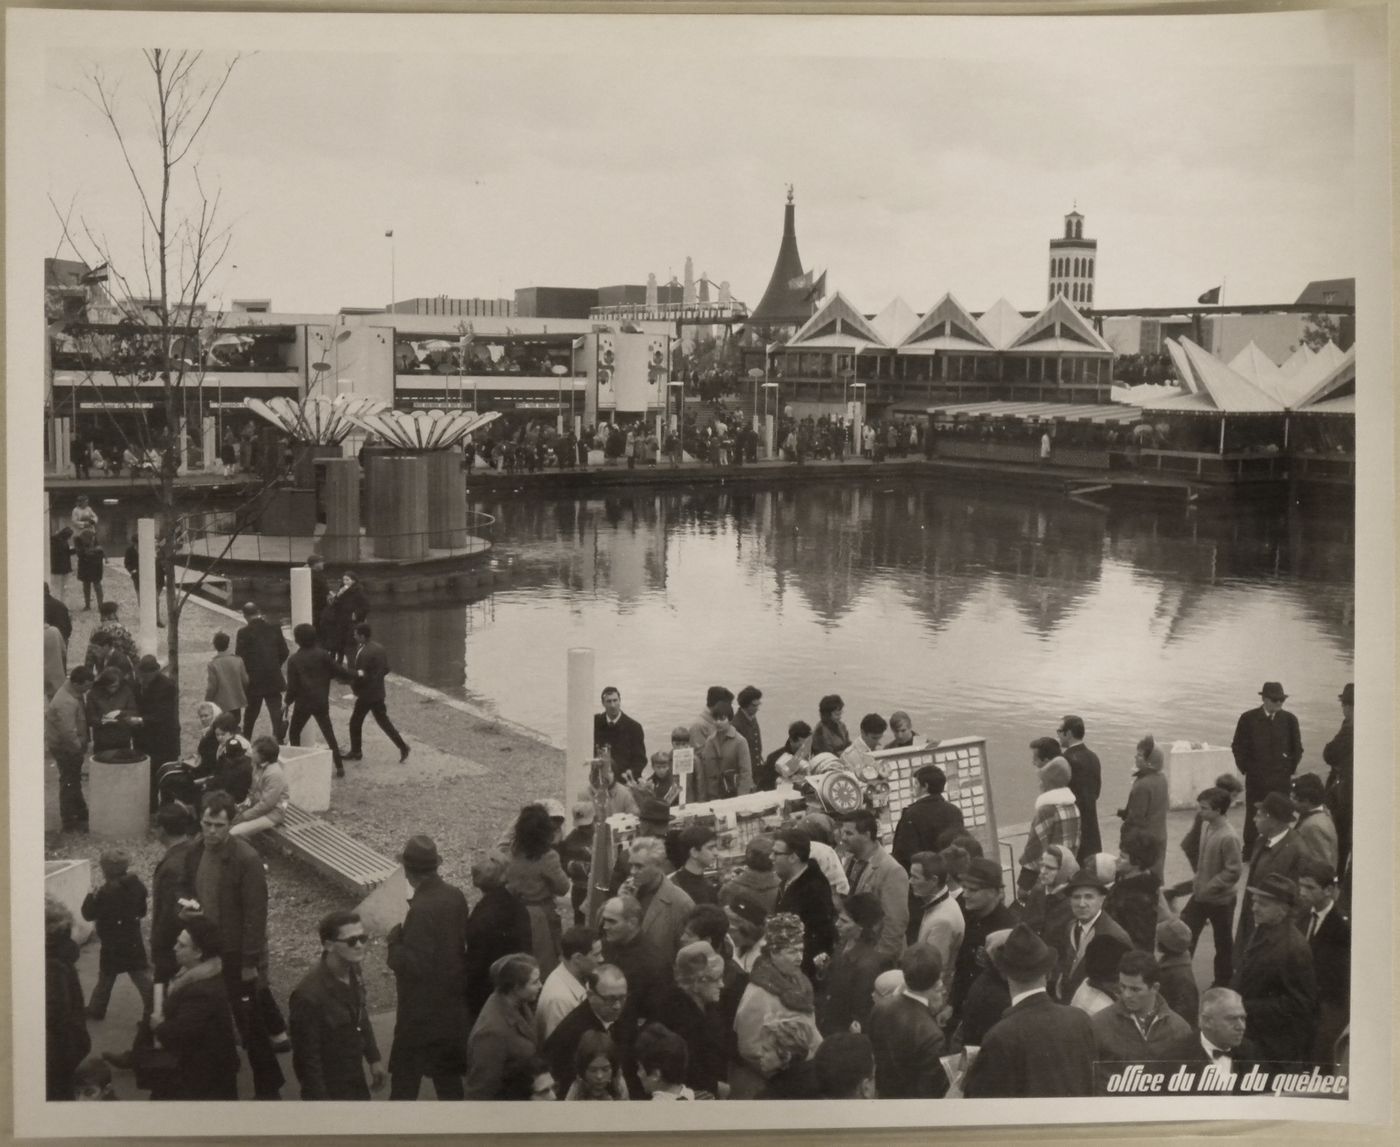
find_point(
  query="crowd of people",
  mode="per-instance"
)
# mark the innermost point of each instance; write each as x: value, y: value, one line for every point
x: 827, y: 962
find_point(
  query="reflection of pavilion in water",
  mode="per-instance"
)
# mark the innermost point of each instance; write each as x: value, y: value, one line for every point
x: 834, y: 544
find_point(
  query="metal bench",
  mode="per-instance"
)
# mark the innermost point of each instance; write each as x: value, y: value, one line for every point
x: 337, y: 856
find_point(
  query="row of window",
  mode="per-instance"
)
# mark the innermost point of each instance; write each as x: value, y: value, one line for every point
x: 1078, y: 267
x: 1075, y: 292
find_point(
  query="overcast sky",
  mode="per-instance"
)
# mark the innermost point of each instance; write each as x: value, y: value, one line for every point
x: 927, y: 154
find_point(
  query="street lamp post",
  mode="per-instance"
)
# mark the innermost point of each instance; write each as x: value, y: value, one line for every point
x: 858, y: 421
x: 770, y: 389
x: 756, y: 375
x: 559, y: 371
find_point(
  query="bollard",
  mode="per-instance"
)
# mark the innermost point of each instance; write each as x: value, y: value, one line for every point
x: 301, y: 595
x: 119, y: 793
x: 579, y: 740
x: 146, y: 553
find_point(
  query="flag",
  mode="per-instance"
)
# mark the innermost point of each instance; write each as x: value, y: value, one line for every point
x: 818, y: 289
x: 1211, y: 296
x: 389, y: 234
x: 801, y: 282
x: 96, y: 275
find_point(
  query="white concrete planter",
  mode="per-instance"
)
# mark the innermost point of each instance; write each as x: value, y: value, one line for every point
x: 1190, y: 771
x: 308, y: 770
x: 69, y: 881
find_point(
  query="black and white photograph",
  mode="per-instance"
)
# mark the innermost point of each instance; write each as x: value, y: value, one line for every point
x: 833, y: 567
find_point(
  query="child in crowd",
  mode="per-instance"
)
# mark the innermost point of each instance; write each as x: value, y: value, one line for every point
x: 228, y: 678
x: 116, y: 907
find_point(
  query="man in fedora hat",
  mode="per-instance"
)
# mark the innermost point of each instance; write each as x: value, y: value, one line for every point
x: 1337, y: 785
x: 1267, y: 748
x: 427, y: 954
x: 1277, y: 851
x: 1087, y: 921
x: 1275, y: 976
x: 1039, y: 1048
x: 984, y: 912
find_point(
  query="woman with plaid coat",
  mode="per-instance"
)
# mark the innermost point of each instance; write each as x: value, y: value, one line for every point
x: 1056, y: 819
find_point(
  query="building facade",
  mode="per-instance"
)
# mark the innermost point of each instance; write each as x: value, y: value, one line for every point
x: 1072, y: 264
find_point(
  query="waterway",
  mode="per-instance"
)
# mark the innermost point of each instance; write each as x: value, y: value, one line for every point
x: 979, y: 613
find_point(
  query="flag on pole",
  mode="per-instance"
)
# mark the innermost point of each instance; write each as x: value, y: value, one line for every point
x: 800, y: 282
x: 389, y: 234
x: 96, y: 275
x: 818, y: 290
x: 1211, y: 296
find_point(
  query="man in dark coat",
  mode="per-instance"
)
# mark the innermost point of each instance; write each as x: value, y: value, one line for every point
x: 622, y: 735
x: 1337, y: 755
x: 370, y: 665
x: 984, y: 912
x: 1085, y: 782
x: 1328, y: 934
x: 1087, y: 921
x: 626, y: 946
x: 1267, y: 747
x: 1218, y: 1042
x: 923, y: 823
x: 1277, y: 852
x: 1039, y: 1048
x: 158, y: 703
x: 310, y: 671
x: 57, y: 615
x: 427, y: 954
x: 332, y: 1037
x: 1275, y: 977
x: 805, y: 893
x: 904, y: 1033
x: 66, y: 1040
x: 604, y: 1008
x: 225, y: 875
x: 263, y: 649
x: 320, y: 587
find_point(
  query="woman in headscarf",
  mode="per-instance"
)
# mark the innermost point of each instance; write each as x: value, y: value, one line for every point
x: 195, y: 1023
x: 1146, y: 810
x: 1046, y: 911
x: 776, y: 987
x: 535, y: 875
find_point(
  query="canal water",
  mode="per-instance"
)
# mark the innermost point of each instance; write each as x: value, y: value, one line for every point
x: 980, y: 613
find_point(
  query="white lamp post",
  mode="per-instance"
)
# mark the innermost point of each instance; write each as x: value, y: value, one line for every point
x: 559, y: 370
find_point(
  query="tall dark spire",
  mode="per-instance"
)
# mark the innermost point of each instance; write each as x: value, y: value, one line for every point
x: 783, y: 303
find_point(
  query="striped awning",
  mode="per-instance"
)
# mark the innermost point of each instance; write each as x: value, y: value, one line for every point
x: 1100, y: 413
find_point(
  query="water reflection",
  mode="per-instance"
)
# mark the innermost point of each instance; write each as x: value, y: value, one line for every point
x: 979, y: 613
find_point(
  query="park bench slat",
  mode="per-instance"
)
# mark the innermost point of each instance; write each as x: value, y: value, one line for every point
x: 331, y: 851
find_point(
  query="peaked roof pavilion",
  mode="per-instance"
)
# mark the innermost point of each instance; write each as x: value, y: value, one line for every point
x: 1256, y: 366
x: 1001, y: 324
x: 946, y: 326
x: 837, y: 325
x: 1059, y: 328
x: 1220, y: 388
x: 895, y: 321
x: 1296, y: 361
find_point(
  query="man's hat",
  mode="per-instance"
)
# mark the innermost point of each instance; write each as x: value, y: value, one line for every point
x: 1347, y: 693
x: 250, y: 608
x: 420, y: 854
x: 982, y: 872
x: 651, y: 809
x: 148, y: 664
x: 583, y: 813
x: 1273, y: 691
x: 1086, y: 878
x: 1174, y: 936
x: 1024, y: 956
x: 1276, y: 886
x: 747, y: 908
x: 1278, y: 806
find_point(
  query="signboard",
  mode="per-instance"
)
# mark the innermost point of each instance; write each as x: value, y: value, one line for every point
x: 683, y: 762
x: 964, y: 762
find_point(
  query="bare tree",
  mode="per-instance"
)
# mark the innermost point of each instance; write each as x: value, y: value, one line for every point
x: 160, y: 332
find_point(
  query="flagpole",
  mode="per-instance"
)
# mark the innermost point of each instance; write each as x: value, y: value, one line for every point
x: 1219, y: 320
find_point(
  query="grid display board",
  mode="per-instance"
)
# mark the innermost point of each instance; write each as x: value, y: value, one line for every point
x: 964, y: 761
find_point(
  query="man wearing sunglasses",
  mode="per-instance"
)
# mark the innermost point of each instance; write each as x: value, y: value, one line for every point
x: 332, y: 1038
